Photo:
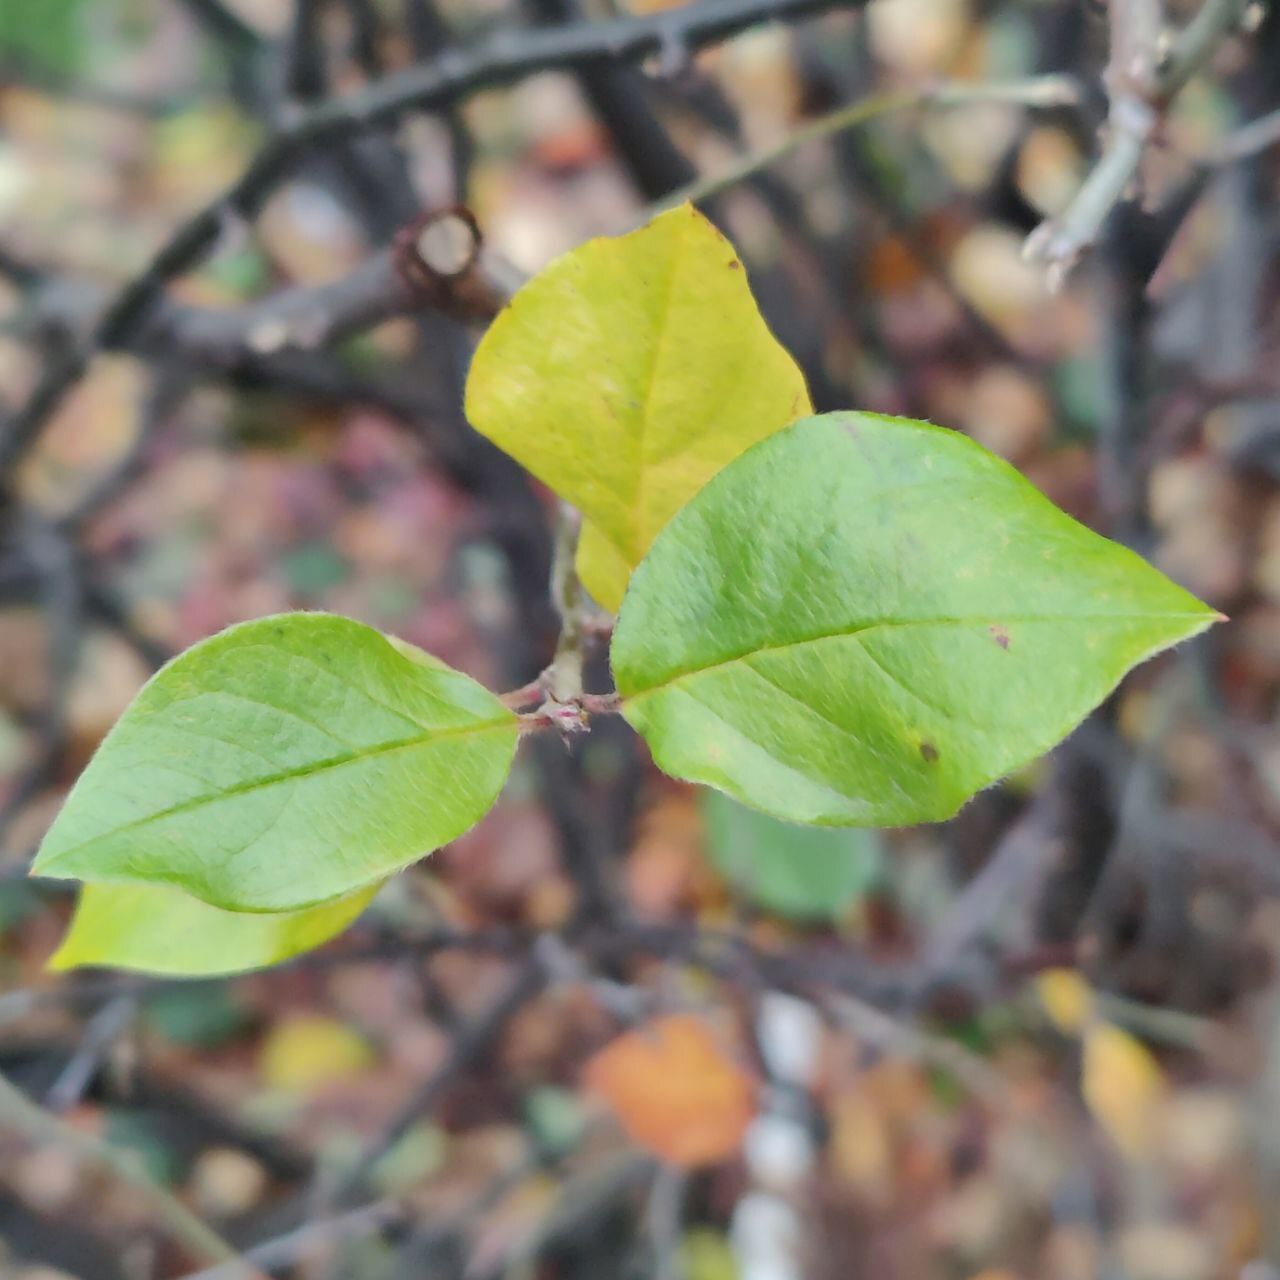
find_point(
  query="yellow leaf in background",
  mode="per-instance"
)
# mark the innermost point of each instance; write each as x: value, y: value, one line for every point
x: 625, y: 375
x: 1122, y: 1085
x: 860, y: 1148
x: 305, y: 1053
x: 676, y: 1090
x: 705, y: 1255
x: 1066, y: 997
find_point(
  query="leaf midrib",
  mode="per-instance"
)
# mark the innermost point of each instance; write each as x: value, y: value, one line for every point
x: 890, y: 624
x: 635, y: 536
x: 429, y: 736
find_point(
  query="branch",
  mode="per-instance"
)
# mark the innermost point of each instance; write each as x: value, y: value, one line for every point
x: 1249, y: 140
x: 439, y: 261
x: 19, y: 1114
x: 1036, y: 91
x: 564, y: 676
x: 498, y: 61
x: 1140, y: 88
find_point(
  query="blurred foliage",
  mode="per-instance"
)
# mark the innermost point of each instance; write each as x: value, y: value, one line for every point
x: 922, y: 1114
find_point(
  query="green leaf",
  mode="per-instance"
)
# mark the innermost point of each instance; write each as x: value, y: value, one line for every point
x: 805, y: 873
x: 625, y: 375
x: 864, y: 620
x: 197, y: 1015
x: 283, y: 763
x: 161, y: 930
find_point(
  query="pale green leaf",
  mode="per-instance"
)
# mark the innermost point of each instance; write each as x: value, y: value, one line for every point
x: 625, y: 375
x: 156, y: 929
x: 282, y: 763
x: 864, y: 620
x: 805, y: 873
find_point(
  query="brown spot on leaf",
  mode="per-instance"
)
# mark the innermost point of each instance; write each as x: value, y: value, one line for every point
x: 929, y: 751
x: 734, y: 265
x: 1000, y: 635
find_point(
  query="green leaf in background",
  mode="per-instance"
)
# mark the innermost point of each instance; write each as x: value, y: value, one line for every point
x: 50, y: 34
x: 283, y: 763
x: 625, y: 375
x: 196, y: 1015
x: 160, y: 930
x: 805, y: 873
x: 863, y: 620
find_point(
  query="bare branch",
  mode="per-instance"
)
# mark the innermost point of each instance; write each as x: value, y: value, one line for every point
x: 499, y: 60
x: 19, y: 1114
x: 1140, y: 86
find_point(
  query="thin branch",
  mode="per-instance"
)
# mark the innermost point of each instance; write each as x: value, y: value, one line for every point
x: 471, y: 1042
x: 498, y: 61
x: 1140, y: 88
x: 564, y: 676
x: 304, y: 1242
x: 1249, y: 140
x: 1037, y: 91
x: 1198, y: 41
x: 20, y: 1115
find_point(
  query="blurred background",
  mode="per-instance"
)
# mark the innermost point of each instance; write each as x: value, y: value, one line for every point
x: 1039, y: 1041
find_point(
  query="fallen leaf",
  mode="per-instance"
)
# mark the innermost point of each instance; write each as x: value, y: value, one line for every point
x: 1066, y: 997
x: 1122, y: 1085
x: 307, y: 1052
x: 676, y: 1090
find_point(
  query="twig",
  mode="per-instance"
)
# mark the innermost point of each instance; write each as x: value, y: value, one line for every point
x: 564, y: 676
x: 1249, y: 140
x: 101, y: 1032
x: 618, y: 97
x: 1198, y: 41
x: 473, y: 1039
x: 1140, y: 88
x: 453, y: 75
x: 1036, y: 91
x: 303, y: 1242
x: 20, y: 1115
x: 884, y: 1031
x: 666, y: 1209
x: 440, y: 260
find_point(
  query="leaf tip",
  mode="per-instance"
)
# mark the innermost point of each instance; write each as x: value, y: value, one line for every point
x: 64, y: 959
x: 44, y: 866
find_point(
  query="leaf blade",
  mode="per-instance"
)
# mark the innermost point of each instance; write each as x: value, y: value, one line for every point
x: 850, y: 624
x: 159, y: 930
x: 605, y: 378
x: 283, y: 763
x: 803, y: 873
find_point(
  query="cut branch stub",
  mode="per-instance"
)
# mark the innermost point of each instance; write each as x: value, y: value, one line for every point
x: 440, y: 258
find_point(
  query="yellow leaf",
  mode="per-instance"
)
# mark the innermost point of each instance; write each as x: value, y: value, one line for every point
x: 625, y: 375
x: 305, y: 1053
x: 159, y: 929
x: 705, y: 1255
x: 1066, y: 997
x: 1122, y: 1085
x: 860, y: 1148
x: 675, y: 1090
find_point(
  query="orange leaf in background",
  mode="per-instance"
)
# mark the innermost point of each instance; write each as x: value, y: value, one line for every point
x: 675, y: 1090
